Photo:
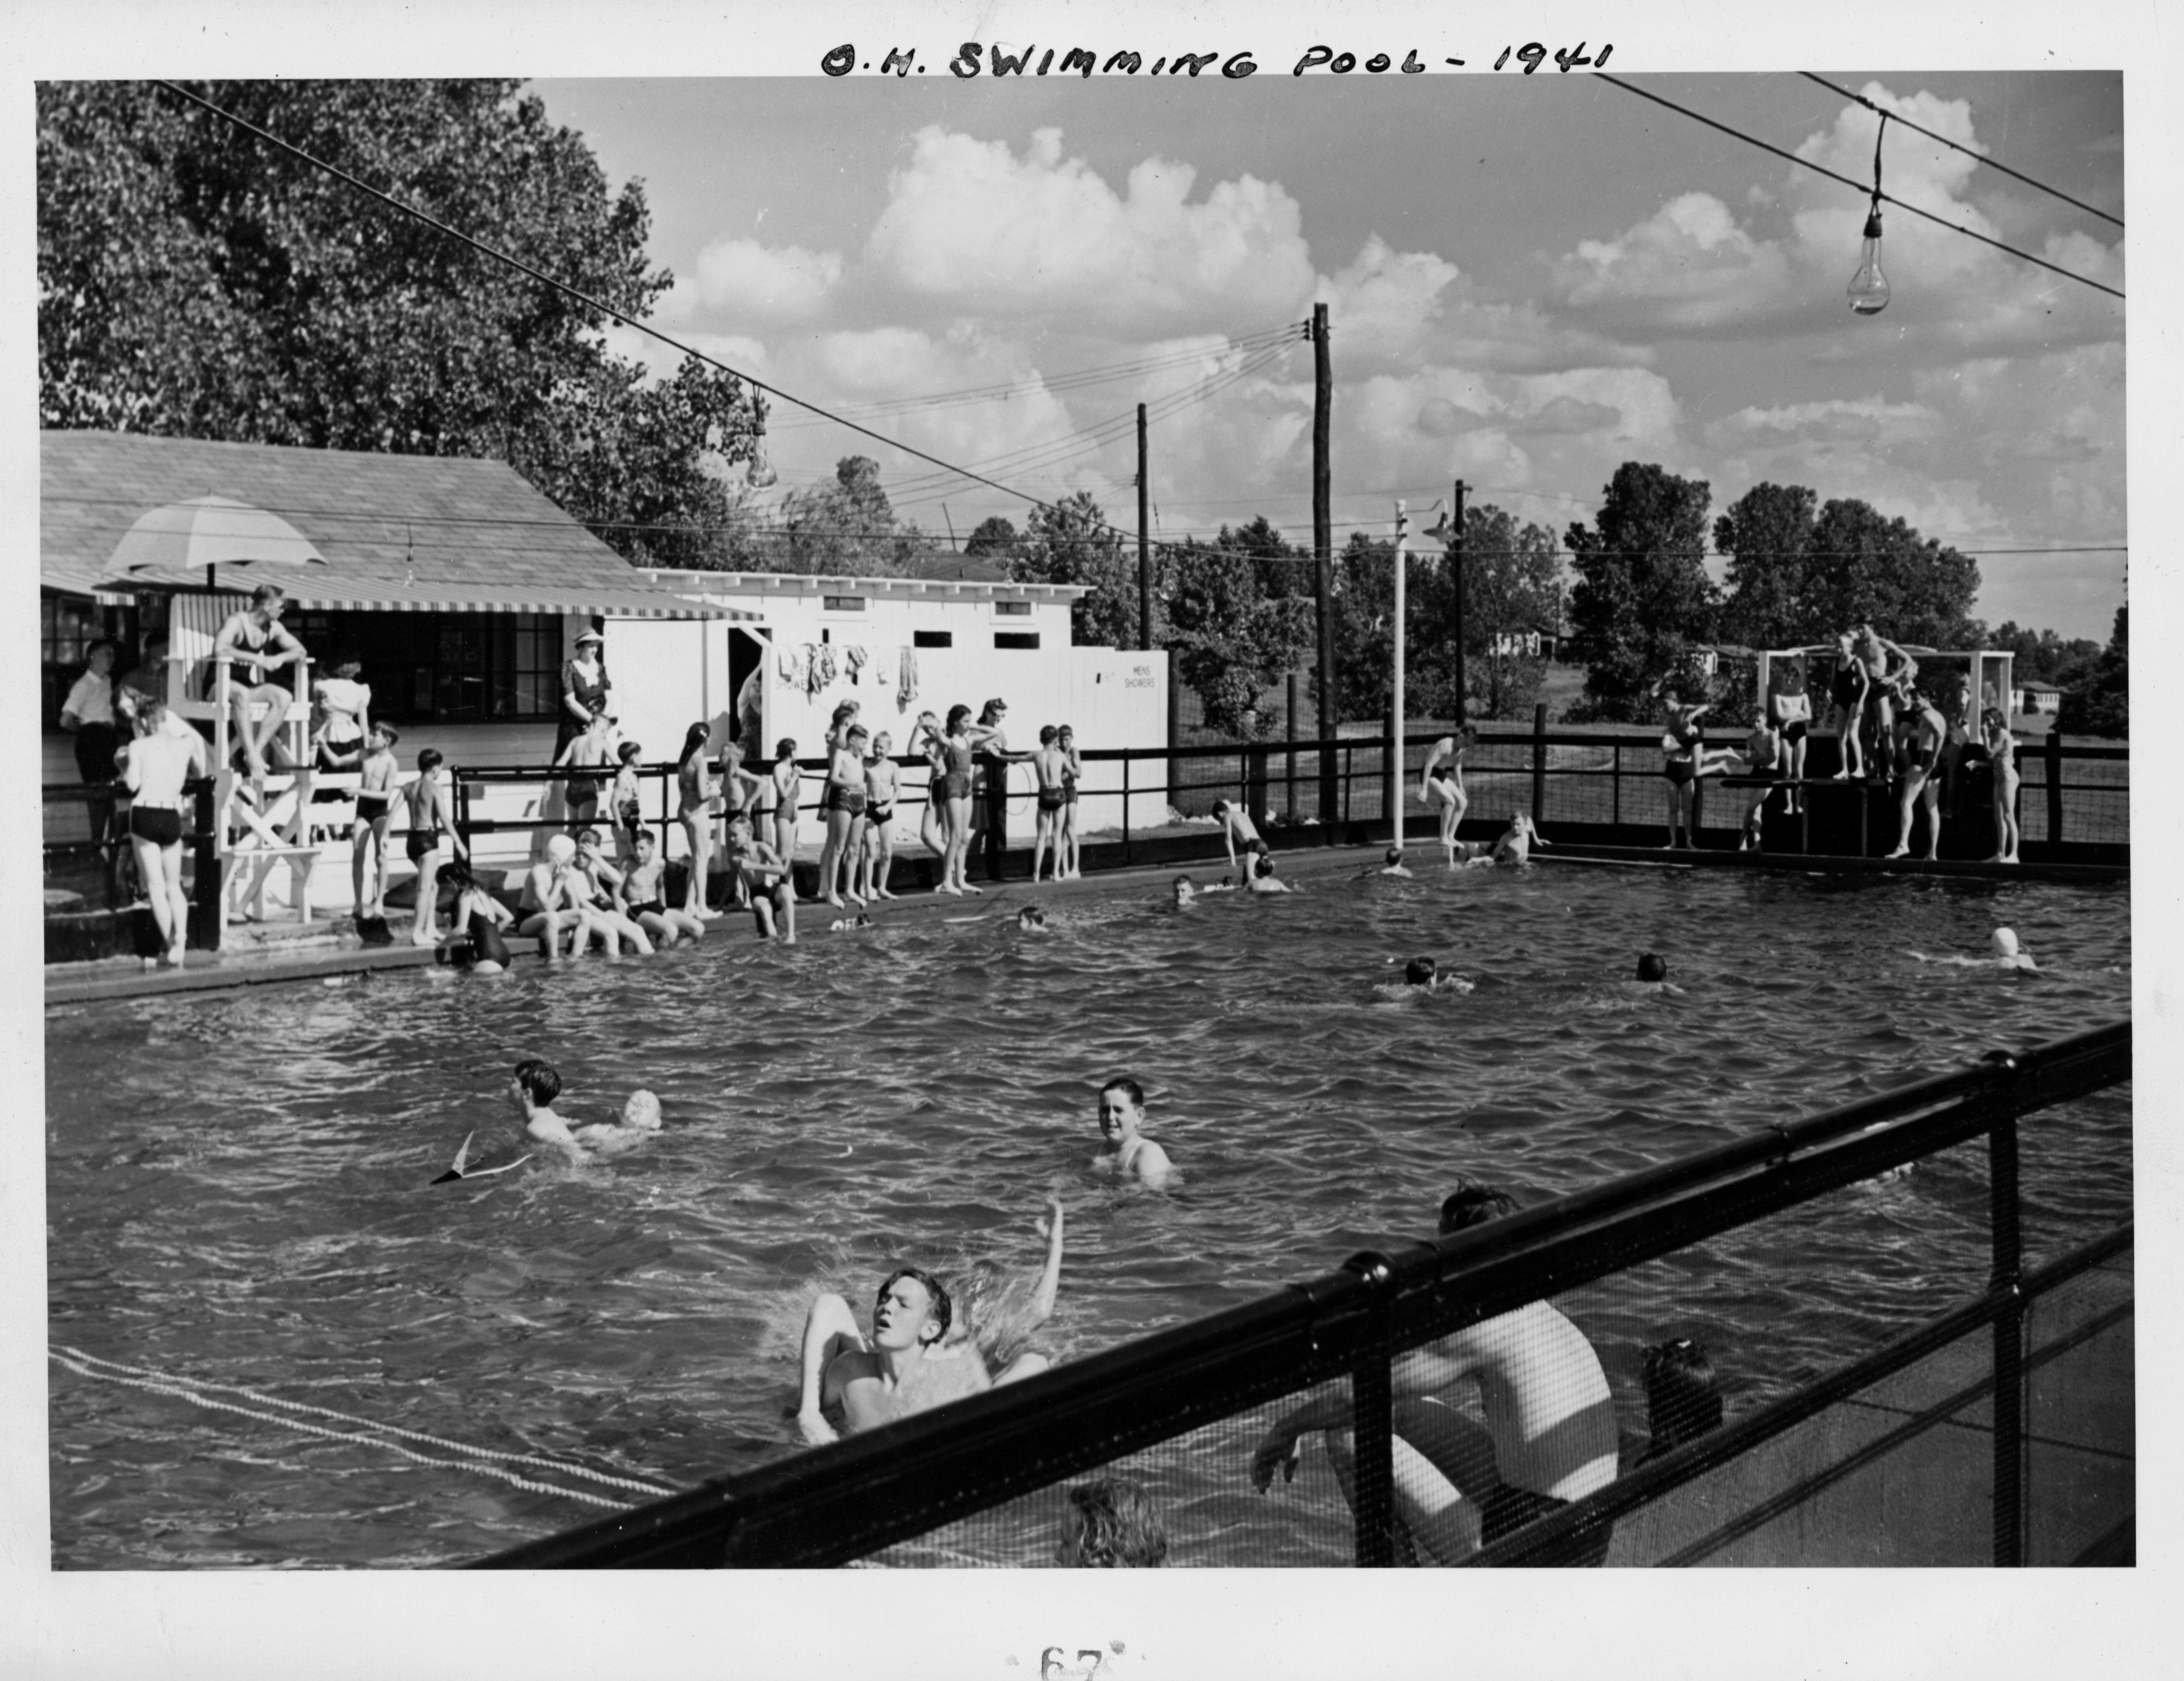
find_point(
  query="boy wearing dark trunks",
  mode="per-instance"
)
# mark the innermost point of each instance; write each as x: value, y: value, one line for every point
x: 1792, y: 711
x: 375, y: 805
x: 1047, y: 765
x: 627, y: 815
x: 766, y: 879
x: 1762, y: 755
x: 842, y: 805
x: 644, y: 899
x: 876, y: 855
x: 431, y: 832
x: 156, y: 766
x: 1924, y: 729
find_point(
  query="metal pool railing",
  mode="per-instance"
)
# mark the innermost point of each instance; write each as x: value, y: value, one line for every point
x: 894, y: 1494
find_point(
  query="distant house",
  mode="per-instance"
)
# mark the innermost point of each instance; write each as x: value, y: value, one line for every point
x: 2033, y: 697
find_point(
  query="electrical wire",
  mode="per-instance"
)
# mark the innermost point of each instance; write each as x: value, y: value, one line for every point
x: 1992, y: 163
x: 1862, y: 191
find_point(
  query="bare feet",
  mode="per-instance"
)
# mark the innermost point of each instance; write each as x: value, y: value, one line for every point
x: 1900, y: 852
x: 967, y: 887
x: 424, y: 936
x: 829, y: 899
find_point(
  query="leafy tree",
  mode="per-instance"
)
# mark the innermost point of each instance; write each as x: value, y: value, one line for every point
x: 1871, y: 570
x: 2044, y: 656
x: 1071, y: 542
x: 2101, y: 704
x: 995, y: 538
x: 1510, y: 589
x: 195, y: 281
x: 1642, y: 597
x: 1767, y: 535
x: 1232, y: 643
x: 845, y: 527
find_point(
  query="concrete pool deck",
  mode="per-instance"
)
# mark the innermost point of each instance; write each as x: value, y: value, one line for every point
x: 268, y: 953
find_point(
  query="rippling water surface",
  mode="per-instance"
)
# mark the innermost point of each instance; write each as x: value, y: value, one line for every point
x: 238, y: 1183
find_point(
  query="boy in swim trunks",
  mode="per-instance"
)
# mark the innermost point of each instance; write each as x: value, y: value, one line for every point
x: 643, y: 895
x: 1047, y: 765
x: 766, y: 879
x: 432, y: 831
x: 1762, y: 757
x: 375, y: 805
x: 1925, y: 730
x: 1235, y: 827
x: 1515, y: 846
x: 842, y: 804
x: 1261, y: 879
x: 601, y: 883
x: 158, y: 762
x: 876, y: 856
x: 627, y: 815
x: 1128, y: 1153
x: 533, y: 1090
x: 1549, y: 1425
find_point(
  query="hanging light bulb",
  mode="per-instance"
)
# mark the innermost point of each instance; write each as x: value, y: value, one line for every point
x: 1869, y: 286
x: 761, y: 474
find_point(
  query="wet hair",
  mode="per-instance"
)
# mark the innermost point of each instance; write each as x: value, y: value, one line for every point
x: 1119, y: 1527
x: 264, y: 594
x: 1031, y: 916
x: 1419, y: 971
x: 455, y: 873
x: 1682, y: 1402
x: 1266, y: 862
x: 1652, y: 966
x: 1471, y: 1204
x: 1129, y: 1087
x: 541, y: 1081
x: 942, y: 1310
x: 1395, y: 854
x: 1047, y: 734
x: 695, y: 738
x: 956, y: 715
x: 431, y: 758
x: 628, y: 752
x: 786, y: 749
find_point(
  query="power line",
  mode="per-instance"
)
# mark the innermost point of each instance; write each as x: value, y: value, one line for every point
x: 1993, y: 163
x: 1859, y: 187
x: 584, y: 298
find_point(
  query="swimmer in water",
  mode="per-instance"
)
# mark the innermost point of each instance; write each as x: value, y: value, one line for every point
x: 1031, y: 919
x: 638, y: 1121
x: 2006, y: 953
x: 1421, y: 971
x: 1515, y: 846
x: 1129, y: 1153
x: 1261, y: 865
x: 1652, y: 966
x: 1185, y: 892
x: 1394, y: 864
x: 911, y: 1362
x: 533, y: 1090
x: 479, y: 915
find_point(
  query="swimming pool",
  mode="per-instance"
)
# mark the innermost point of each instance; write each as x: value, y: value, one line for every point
x: 238, y: 1186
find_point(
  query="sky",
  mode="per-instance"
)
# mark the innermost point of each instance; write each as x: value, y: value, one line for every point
x: 1531, y: 280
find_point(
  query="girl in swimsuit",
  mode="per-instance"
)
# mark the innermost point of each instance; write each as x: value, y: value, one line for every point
x: 788, y: 789
x: 925, y: 739
x: 1792, y: 709
x: 1847, y: 699
x: 2002, y: 750
x: 1072, y: 773
x: 876, y: 857
x: 843, y: 803
x: 694, y: 781
x: 1684, y: 741
x: 1446, y: 789
x: 956, y: 746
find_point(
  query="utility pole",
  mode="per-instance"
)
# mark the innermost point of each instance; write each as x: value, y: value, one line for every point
x: 1322, y: 548
x: 1456, y: 589
x: 1145, y: 546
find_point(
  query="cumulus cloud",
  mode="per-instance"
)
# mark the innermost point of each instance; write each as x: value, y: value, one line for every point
x: 742, y: 278
x: 975, y: 226
x: 1689, y: 261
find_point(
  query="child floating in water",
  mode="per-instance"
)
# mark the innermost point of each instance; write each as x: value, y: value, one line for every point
x: 2006, y: 953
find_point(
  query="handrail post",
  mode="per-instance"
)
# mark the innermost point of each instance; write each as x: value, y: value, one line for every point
x: 1538, y: 762
x: 1372, y: 1432
x: 208, y: 905
x: 1129, y: 854
x: 1289, y: 764
x: 2055, y: 780
x: 462, y: 808
x: 2009, y: 1479
x: 1615, y: 789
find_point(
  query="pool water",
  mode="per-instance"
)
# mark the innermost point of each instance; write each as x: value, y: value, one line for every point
x: 238, y: 1184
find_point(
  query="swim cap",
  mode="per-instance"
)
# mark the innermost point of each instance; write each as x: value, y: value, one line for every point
x: 2005, y: 942
x: 560, y: 850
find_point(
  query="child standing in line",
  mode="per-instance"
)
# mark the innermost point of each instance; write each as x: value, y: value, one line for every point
x: 1067, y: 854
x: 375, y: 805
x: 1048, y: 765
x: 629, y: 815
x: 788, y: 789
x: 431, y: 832
x: 876, y: 858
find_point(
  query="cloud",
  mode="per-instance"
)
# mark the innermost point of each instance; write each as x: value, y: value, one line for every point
x: 971, y: 224
x: 742, y: 278
x: 1688, y: 265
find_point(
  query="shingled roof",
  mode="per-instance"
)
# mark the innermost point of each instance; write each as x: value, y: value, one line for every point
x: 440, y: 519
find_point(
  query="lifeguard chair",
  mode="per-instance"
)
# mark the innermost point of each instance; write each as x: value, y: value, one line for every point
x: 260, y: 827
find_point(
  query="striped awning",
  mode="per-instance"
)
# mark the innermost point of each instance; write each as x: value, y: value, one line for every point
x: 314, y: 591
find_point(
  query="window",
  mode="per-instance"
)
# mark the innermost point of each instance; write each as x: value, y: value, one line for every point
x: 1013, y: 610
x: 933, y: 638
x: 843, y: 603
x: 1016, y: 638
x: 445, y: 668
x: 68, y: 625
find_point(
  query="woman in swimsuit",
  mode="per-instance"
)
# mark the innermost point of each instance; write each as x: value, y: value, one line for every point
x: 1072, y: 773
x: 693, y: 780
x: 2002, y: 750
x: 1446, y: 789
x: 843, y: 803
x: 957, y: 745
x: 788, y: 789
x: 1846, y: 701
x: 1684, y: 741
x: 876, y: 857
x: 480, y: 916
x: 1792, y: 709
